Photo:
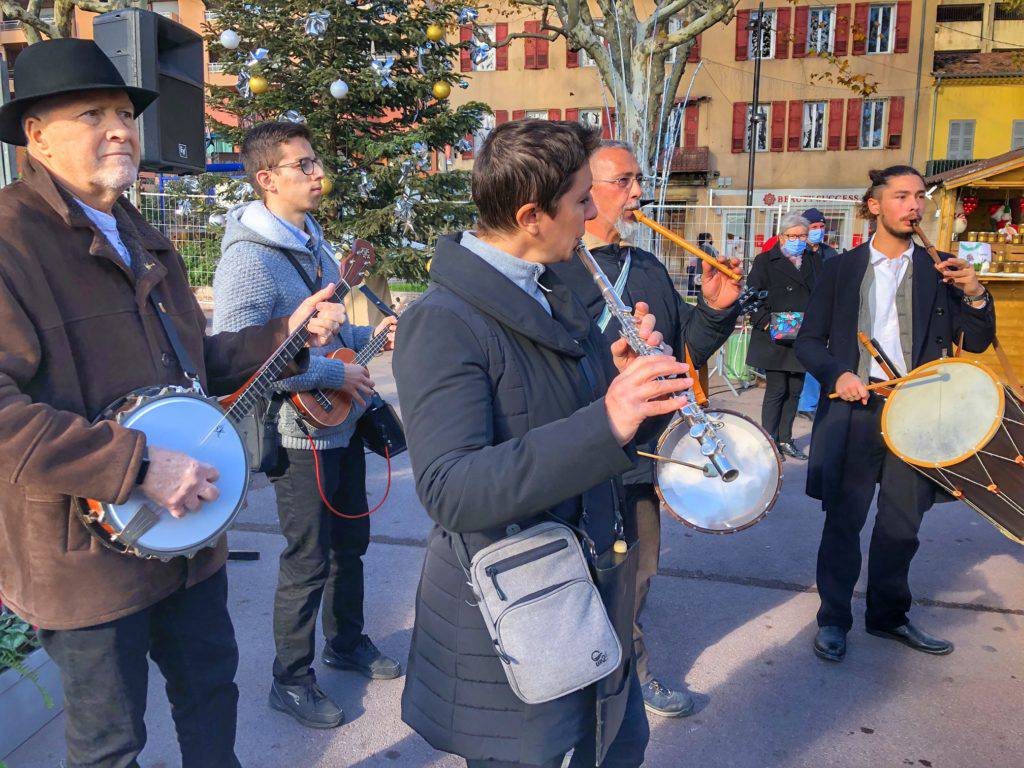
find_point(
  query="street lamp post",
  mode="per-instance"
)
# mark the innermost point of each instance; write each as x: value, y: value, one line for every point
x: 757, y: 27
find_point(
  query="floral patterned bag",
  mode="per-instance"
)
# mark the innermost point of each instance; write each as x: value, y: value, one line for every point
x: 784, y: 326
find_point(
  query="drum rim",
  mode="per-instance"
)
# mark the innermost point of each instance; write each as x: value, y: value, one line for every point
x: 984, y: 441
x: 778, y: 485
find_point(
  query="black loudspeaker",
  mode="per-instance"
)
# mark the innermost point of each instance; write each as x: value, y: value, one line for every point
x: 151, y: 51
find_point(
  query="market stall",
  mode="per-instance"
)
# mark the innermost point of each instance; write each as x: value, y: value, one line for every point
x: 981, y: 219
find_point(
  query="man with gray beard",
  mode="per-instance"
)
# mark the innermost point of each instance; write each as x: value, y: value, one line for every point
x: 700, y: 328
x: 81, y: 273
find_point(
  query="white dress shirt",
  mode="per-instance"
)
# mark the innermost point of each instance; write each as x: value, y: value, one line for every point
x: 885, y: 324
x: 108, y: 226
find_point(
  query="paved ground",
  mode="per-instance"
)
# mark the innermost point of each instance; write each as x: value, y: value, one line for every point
x: 730, y: 617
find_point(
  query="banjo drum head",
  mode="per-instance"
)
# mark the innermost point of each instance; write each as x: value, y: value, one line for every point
x: 707, y: 503
x: 945, y: 418
x: 180, y: 423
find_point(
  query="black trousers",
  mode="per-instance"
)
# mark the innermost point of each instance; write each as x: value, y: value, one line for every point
x: 106, y: 675
x: 894, y: 539
x: 781, y: 397
x: 644, y: 527
x: 322, y: 559
x: 627, y: 751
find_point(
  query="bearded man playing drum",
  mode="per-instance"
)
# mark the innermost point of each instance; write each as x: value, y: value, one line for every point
x: 890, y: 290
x: 78, y: 267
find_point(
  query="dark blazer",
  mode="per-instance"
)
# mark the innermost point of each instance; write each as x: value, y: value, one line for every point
x: 698, y: 327
x: 789, y: 290
x: 502, y: 426
x: 828, y: 347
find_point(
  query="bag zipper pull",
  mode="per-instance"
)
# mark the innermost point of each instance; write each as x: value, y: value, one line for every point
x: 493, y: 574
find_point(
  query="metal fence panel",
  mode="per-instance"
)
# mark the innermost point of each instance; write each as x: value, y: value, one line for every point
x: 185, y: 222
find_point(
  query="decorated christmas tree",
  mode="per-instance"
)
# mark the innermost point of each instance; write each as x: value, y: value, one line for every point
x: 371, y: 80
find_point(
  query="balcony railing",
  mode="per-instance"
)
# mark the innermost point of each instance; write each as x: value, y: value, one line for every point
x: 692, y: 160
x: 9, y: 24
x: 933, y: 167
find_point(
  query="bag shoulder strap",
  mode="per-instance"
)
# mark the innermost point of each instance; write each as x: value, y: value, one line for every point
x: 313, y: 287
x: 184, y: 360
x: 619, y: 287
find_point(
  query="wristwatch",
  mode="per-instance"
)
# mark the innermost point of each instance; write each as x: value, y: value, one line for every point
x: 972, y: 300
x: 140, y: 478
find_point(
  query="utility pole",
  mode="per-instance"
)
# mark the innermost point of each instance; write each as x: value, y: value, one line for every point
x: 757, y: 27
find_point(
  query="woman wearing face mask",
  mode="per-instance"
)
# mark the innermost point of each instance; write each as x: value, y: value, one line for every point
x: 788, y: 272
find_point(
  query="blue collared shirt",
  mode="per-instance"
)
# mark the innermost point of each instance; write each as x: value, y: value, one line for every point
x: 107, y: 224
x: 525, y: 274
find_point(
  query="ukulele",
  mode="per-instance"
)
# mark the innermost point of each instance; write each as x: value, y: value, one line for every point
x: 324, y: 408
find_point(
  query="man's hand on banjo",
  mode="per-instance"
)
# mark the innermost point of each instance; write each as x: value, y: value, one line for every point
x: 178, y: 482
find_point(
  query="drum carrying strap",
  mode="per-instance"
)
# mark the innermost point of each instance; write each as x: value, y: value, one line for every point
x: 176, y: 344
x: 619, y: 287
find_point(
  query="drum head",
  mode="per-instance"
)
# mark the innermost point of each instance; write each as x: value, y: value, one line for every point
x: 707, y: 503
x: 941, y: 420
x: 180, y: 423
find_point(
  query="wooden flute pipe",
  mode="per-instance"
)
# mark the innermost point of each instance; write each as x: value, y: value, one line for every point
x: 668, y: 234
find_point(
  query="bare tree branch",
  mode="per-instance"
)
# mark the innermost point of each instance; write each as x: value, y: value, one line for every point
x: 722, y: 10
x: 28, y: 21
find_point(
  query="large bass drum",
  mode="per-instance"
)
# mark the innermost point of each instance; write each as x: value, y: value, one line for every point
x: 180, y: 420
x: 962, y: 428
x: 703, y: 501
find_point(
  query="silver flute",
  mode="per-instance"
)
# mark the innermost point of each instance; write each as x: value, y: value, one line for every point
x: 701, y: 428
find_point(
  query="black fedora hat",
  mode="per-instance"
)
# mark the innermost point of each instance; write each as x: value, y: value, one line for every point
x: 56, y: 67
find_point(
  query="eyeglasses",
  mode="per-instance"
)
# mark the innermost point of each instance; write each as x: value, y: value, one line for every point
x: 624, y: 182
x: 306, y: 165
x: 792, y: 237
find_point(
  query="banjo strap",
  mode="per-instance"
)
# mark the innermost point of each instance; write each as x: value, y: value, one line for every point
x: 191, y: 372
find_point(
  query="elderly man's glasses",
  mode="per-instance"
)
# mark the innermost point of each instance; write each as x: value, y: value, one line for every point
x: 624, y: 182
x: 306, y: 165
x: 792, y: 237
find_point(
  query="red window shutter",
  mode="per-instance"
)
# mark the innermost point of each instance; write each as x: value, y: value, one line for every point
x: 468, y: 155
x: 853, y: 115
x: 902, y: 42
x: 694, y: 55
x: 796, y: 125
x: 778, y: 135
x: 782, y: 36
x: 800, y: 32
x: 465, y: 35
x: 500, y: 116
x: 572, y: 58
x: 542, y: 51
x: 690, y: 125
x: 835, y: 125
x: 501, y: 54
x: 530, y: 43
x: 742, y: 36
x: 739, y: 125
x: 860, y: 29
x: 554, y: 114
x: 518, y: 114
x: 606, y: 126
x: 842, y: 28
x: 895, y: 136
x: 572, y: 114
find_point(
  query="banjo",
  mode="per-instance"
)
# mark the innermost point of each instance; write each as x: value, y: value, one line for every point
x: 186, y: 420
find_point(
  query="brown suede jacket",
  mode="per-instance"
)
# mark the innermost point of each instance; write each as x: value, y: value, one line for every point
x: 77, y: 331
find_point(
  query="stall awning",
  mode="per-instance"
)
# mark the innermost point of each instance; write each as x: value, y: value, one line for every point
x: 981, y: 170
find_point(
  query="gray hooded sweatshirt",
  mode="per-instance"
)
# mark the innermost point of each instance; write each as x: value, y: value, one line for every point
x: 255, y: 282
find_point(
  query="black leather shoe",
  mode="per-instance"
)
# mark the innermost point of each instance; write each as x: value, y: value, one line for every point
x: 307, y: 704
x: 830, y: 643
x: 912, y: 637
x: 364, y: 658
x: 788, y: 449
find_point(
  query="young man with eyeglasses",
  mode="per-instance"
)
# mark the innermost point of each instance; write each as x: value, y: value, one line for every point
x: 255, y: 281
x: 702, y: 328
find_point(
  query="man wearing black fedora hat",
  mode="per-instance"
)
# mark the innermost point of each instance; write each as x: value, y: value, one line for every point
x: 79, y: 267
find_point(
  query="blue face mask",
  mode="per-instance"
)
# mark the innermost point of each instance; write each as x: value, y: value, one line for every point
x: 815, y: 236
x: 794, y: 247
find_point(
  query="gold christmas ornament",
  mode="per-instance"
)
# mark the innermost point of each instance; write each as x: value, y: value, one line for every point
x: 326, y: 185
x: 442, y: 90
x: 435, y: 33
x: 259, y: 85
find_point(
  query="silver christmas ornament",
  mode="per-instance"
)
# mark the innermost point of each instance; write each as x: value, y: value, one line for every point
x: 315, y: 23
x: 230, y: 39
x: 339, y: 89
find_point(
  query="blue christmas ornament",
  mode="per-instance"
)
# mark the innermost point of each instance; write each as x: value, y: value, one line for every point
x: 468, y: 15
x: 463, y: 83
x: 315, y: 23
x: 478, y: 54
x: 255, y: 57
x: 383, y: 69
x: 291, y: 116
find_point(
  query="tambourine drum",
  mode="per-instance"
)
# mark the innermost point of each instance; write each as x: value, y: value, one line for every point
x: 704, y: 501
x: 963, y: 429
x: 179, y: 420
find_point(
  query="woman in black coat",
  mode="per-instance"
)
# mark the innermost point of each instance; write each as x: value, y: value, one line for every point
x: 789, y: 290
x: 513, y: 412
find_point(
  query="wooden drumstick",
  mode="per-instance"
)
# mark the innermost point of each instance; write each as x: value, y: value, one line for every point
x: 891, y: 382
x: 668, y: 234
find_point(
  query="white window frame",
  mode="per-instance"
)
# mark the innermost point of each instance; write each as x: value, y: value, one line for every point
x: 957, y: 147
x: 768, y: 12
x: 591, y: 117
x: 874, y: 32
x: 1017, y: 135
x: 816, y: 30
x: 762, y: 129
x: 487, y: 124
x: 876, y: 109
x: 485, y: 34
x: 818, y: 108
